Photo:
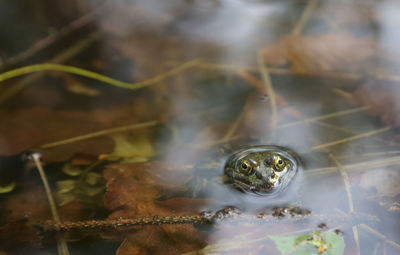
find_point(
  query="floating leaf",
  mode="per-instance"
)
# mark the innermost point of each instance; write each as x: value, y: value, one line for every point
x: 328, y: 243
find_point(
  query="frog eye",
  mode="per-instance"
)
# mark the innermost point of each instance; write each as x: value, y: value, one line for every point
x: 279, y: 163
x: 246, y: 168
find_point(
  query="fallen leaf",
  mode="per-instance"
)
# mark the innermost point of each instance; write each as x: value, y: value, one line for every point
x: 19, y: 236
x: 135, y: 190
x: 382, y: 101
x: 327, y: 52
x: 386, y: 182
x: 31, y: 127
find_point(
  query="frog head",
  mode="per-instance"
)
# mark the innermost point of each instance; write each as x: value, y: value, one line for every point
x: 261, y: 169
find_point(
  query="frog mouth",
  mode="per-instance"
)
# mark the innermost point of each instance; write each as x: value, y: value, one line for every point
x: 246, y: 186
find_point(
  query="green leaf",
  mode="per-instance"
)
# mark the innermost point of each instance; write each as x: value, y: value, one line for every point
x: 137, y: 148
x: 327, y: 243
x: 93, y: 178
x: 7, y: 188
x: 65, y: 186
x: 71, y: 170
x: 336, y: 243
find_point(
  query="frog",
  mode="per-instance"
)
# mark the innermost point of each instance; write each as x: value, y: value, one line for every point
x: 252, y: 178
x: 261, y: 169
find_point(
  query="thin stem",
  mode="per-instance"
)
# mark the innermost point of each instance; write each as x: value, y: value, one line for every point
x: 62, y: 57
x: 53, y: 37
x: 380, y: 236
x: 304, y: 17
x: 323, y: 117
x: 346, y: 182
x: 352, y: 138
x: 100, y: 133
x: 95, y: 76
x: 270, y: 91
x: 61, y: 242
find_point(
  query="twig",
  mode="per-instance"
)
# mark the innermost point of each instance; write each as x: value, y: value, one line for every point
x: 380, y: 236
x: 61, y: 242
x: 356, y: 238
x: 304, y: 17
x: 342, y: 93
x: 352, y: 138
x: 346, y: 182
x: 370, y: 154
x: 100, y: 133
x: 202, y: 218
x: 62, y: 57
x: 324, y: 117
x: 376, y: 248
x: 95, y: 76
x: 53, y: 37
x: 244, y: 75
x: 234, y: 126
x: 50, y: 226
x: 270, y: 90
x: 348, y: 131
x: 370, y: 164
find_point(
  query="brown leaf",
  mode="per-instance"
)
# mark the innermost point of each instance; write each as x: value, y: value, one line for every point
x: 32, y: 127
x: 382, y: 101
x: 19, y: 235
x: 385, y: 182
x: 328, y: 52
x: 134, y: 190
x: 29, y: 128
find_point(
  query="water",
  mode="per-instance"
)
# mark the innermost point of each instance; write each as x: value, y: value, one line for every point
x: 319, y: 77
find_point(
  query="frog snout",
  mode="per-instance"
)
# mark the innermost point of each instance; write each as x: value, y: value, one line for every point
x: 263, y: 173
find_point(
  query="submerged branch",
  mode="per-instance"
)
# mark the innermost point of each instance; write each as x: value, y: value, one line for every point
x: 273, y: 216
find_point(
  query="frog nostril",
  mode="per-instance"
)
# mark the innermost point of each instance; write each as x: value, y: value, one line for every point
x: 258, y: 175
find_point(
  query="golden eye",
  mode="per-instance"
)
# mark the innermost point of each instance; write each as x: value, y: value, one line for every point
x: 279, y: 164
x: 246, y: 168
